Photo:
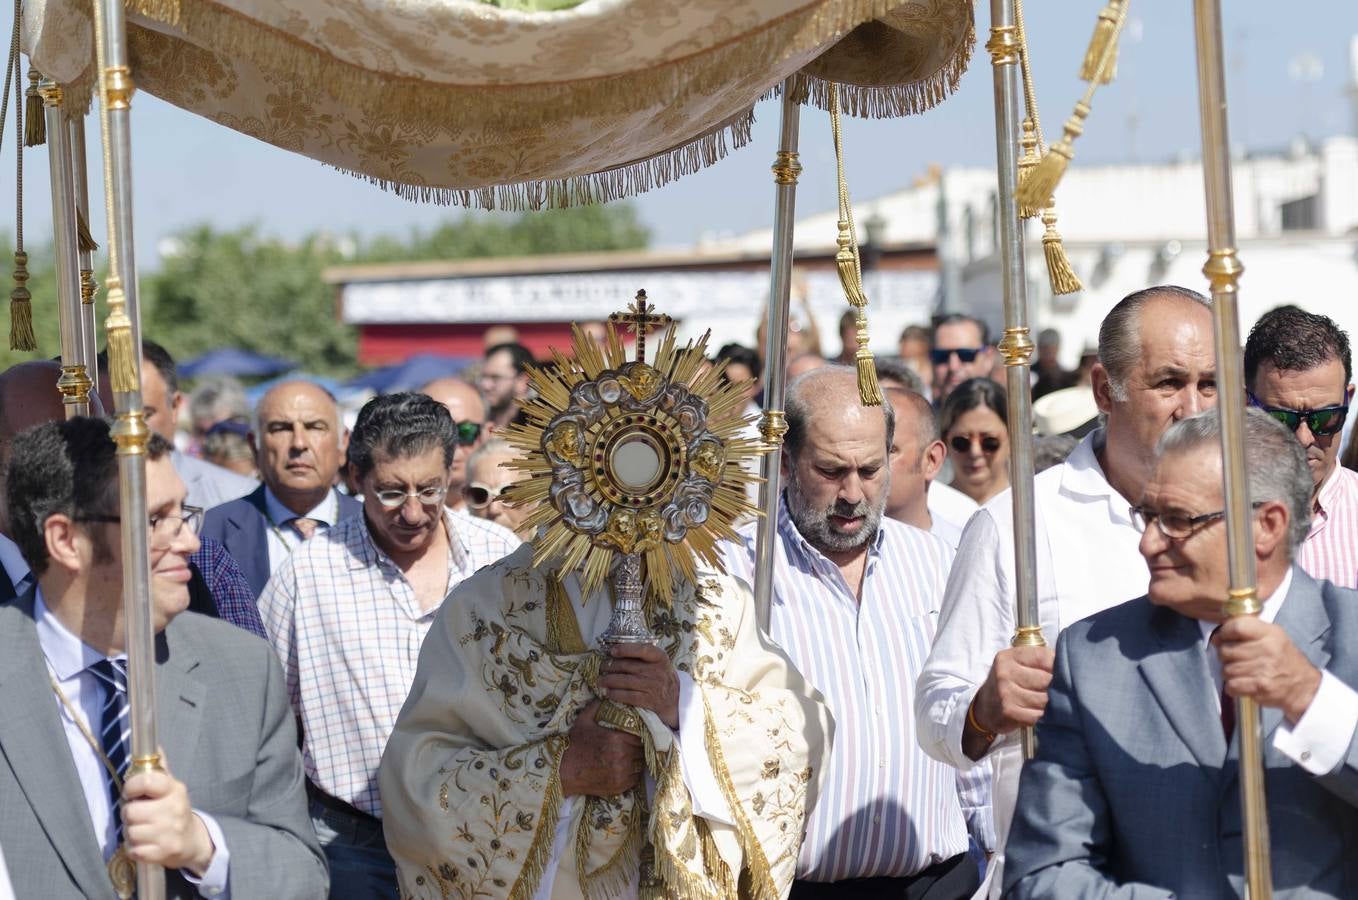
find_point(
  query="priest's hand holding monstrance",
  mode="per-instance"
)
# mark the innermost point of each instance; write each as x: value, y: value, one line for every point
x: 636, y: 469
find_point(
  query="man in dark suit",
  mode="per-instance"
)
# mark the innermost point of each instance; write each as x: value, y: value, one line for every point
x: 227, y: 813
x: 300, y: 446
x: 1134, y: 791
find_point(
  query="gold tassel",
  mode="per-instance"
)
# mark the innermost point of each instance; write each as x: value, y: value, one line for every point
x: 1027, y: 162
x: 122, y: 364
x: 1095, y: 65
x: 21, y: 307
x: 82, y: 234
x: 35, y: 120
x: 1042, y: 180
x: 1059, y: 272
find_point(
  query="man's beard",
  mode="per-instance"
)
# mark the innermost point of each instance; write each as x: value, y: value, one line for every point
x: 815, y: 526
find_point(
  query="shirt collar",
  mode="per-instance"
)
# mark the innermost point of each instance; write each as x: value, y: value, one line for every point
x: 1271, y: 604
x: 1083, y: 475
x: 788, y: 529
x: 13, y: 561
x: 67, y: 654
x: 457, y: 550
x: 326, y: 512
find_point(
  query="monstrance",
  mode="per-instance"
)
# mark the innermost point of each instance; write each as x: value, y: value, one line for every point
x: 638, y: 468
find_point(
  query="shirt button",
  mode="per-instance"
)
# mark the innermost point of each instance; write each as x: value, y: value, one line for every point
x: 877, y: 820
x: 1306, y: 756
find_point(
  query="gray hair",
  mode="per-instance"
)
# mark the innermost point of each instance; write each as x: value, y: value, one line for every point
x: 219, y: 398
x: 490, y: 447
x: 1274, y: 460
x: 801, y: 393
x: 1120, y: 333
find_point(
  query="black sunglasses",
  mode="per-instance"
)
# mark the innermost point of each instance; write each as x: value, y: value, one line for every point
x: 1321, y: 422
x: 964, y: 354
x: 467, y: 433
x: 962, y: 443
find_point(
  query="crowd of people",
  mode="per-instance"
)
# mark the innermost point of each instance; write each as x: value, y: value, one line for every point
x: 367, y: 689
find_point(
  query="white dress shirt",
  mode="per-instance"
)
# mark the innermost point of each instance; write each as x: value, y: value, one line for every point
x: 1320, y: 739
x: 68, y: 661
x: 708, y: 801
x: 1087, y: 561
x: 282, y: 537
x: 950, y: 505
x: 6, y: 887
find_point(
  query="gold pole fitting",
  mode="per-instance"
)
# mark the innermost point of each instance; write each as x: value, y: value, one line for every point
x: 87, y: 286
x: 1003, y: 45
x: 130, y: 433
x: 1223, y: 270
x: 772, y: 427
x: 74, y: 385
x: 119, y: 87
x: 1028, y: 636
x: 786, y: 167
x: 1242, y: 602
x: 50, y: 92
x: 1016, y: 347
x: 142, y: 765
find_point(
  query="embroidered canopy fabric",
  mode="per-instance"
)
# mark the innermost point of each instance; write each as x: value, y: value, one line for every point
x: 465, y: 102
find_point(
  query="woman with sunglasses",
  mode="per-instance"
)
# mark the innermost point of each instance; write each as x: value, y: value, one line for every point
x: 974, y: 425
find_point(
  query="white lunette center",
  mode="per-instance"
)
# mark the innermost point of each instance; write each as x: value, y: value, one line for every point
x: 636, y: 463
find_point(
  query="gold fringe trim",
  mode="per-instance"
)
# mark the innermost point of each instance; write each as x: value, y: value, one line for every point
x: 35, y: 119
x: 1059, y: 272
x: 540, y: 851
x: 616, y: 875
x: 678, y: 882
x: 582, y: 190
x: 761, y: 884
x: 1101, y: 62
x: 82, y: 234
x: 21, y: 308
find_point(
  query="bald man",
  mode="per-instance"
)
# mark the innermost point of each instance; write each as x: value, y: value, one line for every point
x: 28, y: 397
x: 468, y: 409
x: 917, y: 456
x: 299, y: 446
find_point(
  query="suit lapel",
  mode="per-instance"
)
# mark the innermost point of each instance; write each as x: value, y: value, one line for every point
x: 1178, y: 677
x: 250, y: 546
x: 180, y: 697
x: 34, y: 744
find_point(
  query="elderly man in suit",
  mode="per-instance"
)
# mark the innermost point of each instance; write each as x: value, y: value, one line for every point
x: 1135, y: 788
x: 227, y: 814
x: 300, y: 444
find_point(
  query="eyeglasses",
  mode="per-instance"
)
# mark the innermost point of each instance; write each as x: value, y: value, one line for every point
x: 964, y: 354
x: 430, y: 496
x: 165, y: 528
x: 1321, y: 422
x: 962, y: 443
x: 1174, y: 525
x: 467, y: 433
x: 479, y: 496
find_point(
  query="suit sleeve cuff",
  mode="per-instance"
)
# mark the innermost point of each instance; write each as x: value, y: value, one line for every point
x: 214, y: 882
x: 706, y: 795
x: 1320, y: 740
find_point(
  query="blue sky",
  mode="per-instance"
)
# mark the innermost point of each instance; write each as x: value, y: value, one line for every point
x: 1288, y: 75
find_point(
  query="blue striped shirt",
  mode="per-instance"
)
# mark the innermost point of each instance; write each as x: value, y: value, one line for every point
x: 886, y: 808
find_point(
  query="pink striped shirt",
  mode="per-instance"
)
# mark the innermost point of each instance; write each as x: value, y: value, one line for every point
x: 1330, y: 551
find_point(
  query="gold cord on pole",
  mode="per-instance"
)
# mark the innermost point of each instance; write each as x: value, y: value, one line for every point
x: 21, y: 335
x: 850, y: 266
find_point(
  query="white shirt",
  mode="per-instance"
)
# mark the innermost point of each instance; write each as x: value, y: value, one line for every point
x: 282, y: 537
x: 951, y: 506
x: 6, y: 888
x: 1320, y: 739
x: 68, y: 661
x: 1087, y: 561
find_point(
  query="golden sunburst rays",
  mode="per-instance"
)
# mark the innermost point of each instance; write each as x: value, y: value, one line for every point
x: 585, y: 515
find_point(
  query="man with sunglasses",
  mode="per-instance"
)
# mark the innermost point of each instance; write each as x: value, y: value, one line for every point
x: 961, y: 350
x: 1156, y: 366
x: 1134, y: 791
x: 299, y: 445
x: 1299, y: 369
x: 227, y: 815
x: 348, y: 611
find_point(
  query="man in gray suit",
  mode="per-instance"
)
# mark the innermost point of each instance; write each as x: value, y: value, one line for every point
x: 228, y: 813
x: 1135, y: 788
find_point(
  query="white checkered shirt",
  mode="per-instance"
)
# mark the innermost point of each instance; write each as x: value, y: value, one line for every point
x: 348, y: 629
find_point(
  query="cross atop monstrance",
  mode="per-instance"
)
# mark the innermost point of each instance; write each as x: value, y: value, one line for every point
x: 640, y: 319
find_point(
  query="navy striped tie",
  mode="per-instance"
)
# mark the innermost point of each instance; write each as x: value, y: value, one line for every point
x: 115, y: 729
